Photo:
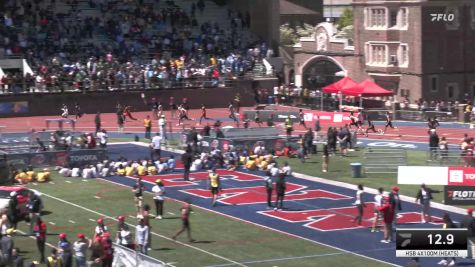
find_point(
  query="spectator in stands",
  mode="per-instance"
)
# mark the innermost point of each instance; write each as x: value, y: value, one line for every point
x: 65, y: 250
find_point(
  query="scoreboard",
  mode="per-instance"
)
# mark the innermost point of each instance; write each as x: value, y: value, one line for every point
x: 431, y: 242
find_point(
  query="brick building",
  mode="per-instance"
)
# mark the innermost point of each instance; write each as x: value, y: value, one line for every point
x: 398, y: 44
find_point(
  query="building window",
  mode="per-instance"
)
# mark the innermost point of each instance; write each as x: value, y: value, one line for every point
x: 376, y: 54
x: 393, y: 18
x: 376, y: 17
x: 434, y: 83
x: 403, y: 17
x: 452, y: 90
x: 403, y: 55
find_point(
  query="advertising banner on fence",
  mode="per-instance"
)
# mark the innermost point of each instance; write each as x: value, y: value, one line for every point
x: 457, y: 176
x: 77, y: 158
x: 461, y: 176
x: 328, y: 117
x: 280, y: 116
x: 422, y: 175
x: 459, y: 195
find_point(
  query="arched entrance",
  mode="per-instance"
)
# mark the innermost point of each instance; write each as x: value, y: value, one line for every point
x: 321, y: 72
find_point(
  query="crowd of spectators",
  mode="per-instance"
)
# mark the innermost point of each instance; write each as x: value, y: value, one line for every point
x: 130, y: 44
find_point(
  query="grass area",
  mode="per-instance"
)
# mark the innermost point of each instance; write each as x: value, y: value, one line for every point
x: 339, y: 170
x: 216, y: 234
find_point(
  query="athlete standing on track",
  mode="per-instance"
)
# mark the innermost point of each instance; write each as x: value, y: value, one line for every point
x: 185, y: 218
x: 215, y: 185
x: 280, y: 187
x: 158, y: 191
x: 269, y: 187
x: 378, y: 202
x: 388, y: 215
x: 359, y: 204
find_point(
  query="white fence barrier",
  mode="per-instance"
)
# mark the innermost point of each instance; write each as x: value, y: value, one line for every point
x: 125, y: 257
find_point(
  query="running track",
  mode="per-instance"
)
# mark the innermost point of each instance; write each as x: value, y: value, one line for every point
x: 407, y: 131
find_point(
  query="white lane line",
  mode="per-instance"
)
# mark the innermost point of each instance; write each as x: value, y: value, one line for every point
x: 35, y: 184
x: 171, y: 213
x: 85, y: 180
x: 71, y: 221
x: 52, y: 223
x: 98, y: 197
x: 92, y: 220
x: 51, y: 182
x: 131, y: 225
x: 69, y: 182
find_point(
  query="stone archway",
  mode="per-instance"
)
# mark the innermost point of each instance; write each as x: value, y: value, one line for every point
x: 320, y: 71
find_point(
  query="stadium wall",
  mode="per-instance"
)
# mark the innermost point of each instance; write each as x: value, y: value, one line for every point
x: 44, y: 104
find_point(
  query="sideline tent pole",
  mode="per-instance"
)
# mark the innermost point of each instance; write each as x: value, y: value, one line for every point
x: 321, y: 100
x: 341, y: 100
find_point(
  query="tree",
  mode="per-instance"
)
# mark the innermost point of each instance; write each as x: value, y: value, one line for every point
x: 346, y: 19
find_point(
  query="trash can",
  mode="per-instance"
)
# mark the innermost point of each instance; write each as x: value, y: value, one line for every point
x: 356, y: 170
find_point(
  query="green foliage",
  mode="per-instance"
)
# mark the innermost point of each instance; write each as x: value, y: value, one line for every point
x: 346, y: 19
x: 290, y: 35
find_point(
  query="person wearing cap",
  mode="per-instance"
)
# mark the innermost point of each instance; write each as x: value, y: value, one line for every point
x: 378, y: 202
x: 424, y: 197
x: 65, y: 251
x: 158, y: 192
x: 395, y: 202
x: 40, y: 233
x: 80, y: 249
x: 469, y: 223
x: 7, y: 245
x: 388, y: 214
x: 54, y: 260
x: 101, y: 228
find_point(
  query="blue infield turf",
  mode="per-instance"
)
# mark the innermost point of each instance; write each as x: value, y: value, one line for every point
x: 318, y: 212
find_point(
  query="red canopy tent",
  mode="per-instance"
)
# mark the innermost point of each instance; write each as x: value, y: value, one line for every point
x: 369, y: 89
x: 340, y: 86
